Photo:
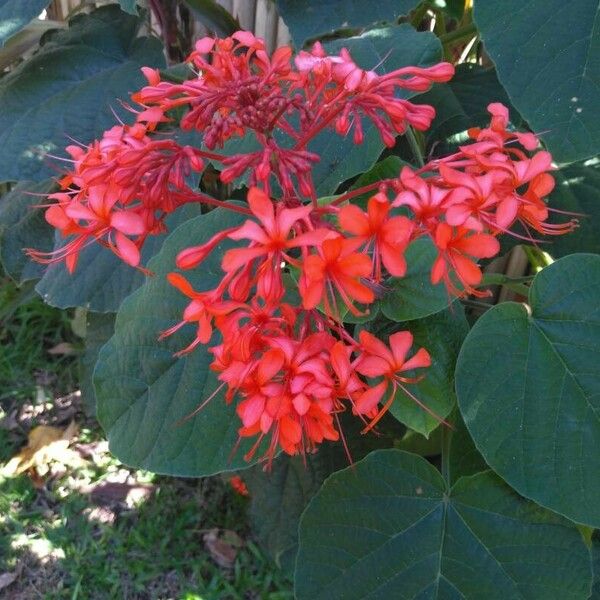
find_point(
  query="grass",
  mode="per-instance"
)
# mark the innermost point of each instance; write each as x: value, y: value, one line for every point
x: 28, y: 330
x: 67, y: 533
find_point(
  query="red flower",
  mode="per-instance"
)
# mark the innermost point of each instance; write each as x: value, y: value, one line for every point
x: 456, y: 249
x: 386, y: 236
x: 377, y: 360
x: 237, y: 483
x: 336, y: 268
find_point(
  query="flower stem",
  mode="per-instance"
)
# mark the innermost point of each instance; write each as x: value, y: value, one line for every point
x: 358, y: 191
x: 414, y: 146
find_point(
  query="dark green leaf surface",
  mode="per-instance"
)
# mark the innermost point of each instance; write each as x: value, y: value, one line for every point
x: 413, y: 296
x: 129, y: 6
x: 15, y: 14
x: 214, y: 17
x: 102, y: 280
x: 596, y: 565
x: 388, y: 168
x: 23, y: 226
x: 442, y: 335
x: 462, y: 102
x: 69, y: 89
x: 577, y: 190
x: 278, y: 497
x: 463, y: 456
x: 547, y: 53
x: 144, y: 393
x: 307, y: 19
x: 390, y: 528
x: 99, y: 328
x: 528, y: 386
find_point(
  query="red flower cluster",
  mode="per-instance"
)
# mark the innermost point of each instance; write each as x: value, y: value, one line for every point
x: 289, y: 364
x: 294, y: 368
x: 240, y: 89
x: 118, y: 192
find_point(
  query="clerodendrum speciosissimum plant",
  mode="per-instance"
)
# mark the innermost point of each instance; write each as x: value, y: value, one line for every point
x: 291, y: 366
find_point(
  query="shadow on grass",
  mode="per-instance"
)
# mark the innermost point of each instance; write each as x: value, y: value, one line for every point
x: 64, y: 543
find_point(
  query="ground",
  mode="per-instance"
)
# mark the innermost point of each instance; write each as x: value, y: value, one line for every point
x: 81, y: 525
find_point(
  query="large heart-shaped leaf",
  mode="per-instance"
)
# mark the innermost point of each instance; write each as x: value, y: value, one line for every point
x: 144, y: 393
x: 22, y: 225
x: 69, y: 90
x: 442, y: 335
x: 307, y: 20
x: 102, y: 280
x: 391, y: 528
x: 15, y: 14
x: 546, y: 53
x: 413, y: 296
x: 528, y: 385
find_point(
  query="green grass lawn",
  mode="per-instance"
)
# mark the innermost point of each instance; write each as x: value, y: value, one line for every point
x: 88, y: 527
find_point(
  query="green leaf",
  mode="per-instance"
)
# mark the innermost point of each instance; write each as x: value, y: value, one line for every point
x: 22, y: 225
x: 391, y: 528
x: 144, y: 393
x: 388, y: 168
x: 577, y: 190
x: 463, y: 456
x: 442, y: 335
x: 278, y: 497
x: 528, y: 387
x: 546, y: 53
x: 596, y: 565
x: 307, y: 20
x: 417, y: 443
x: 129, y: 6
x: 462, y: 102
x: 69, y: 89
x: 101, y: 280
x: 385, y: 49
x: 99, y: 328
x: 16, y: 14
x: 214, y: 17
x: 414, y: 296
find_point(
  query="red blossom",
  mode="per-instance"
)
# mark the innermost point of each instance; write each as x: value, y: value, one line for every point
x: 291, y: 367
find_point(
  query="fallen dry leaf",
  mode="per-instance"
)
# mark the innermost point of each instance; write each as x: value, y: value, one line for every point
x: 63, y: 348
x: 7, y: 579
x: 44, y: 445
x: 110, y: 492
x: 223, y: 546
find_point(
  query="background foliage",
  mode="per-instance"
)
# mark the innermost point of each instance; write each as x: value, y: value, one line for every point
x: 494, y: 506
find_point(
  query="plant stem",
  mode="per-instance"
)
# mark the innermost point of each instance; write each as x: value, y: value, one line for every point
x: 446, y: 444
x: 537, y: 258
x: 516, y: 284
x: 414, y: 146
x: 357, y: 192
x: 419, y: 13
x: 458, y: 34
